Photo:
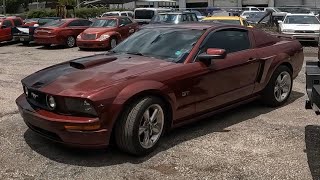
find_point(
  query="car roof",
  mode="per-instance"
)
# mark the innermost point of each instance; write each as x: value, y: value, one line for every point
x: 152, y: 9
x: 223, y: 18
x: 305, y: 14
x: 177, y: 13
x: 112, y: 17
x: 193, y: 26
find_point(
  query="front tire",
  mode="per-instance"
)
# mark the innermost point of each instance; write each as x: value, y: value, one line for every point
x: 113, y: 43
x: 142, y: 124
x: 279, y: 88
x: 71, y: 42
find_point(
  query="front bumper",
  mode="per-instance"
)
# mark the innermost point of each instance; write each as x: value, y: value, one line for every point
x: 23, y: 38
x: 93, y: 44
x: 304, y: 36
x: 52, y: 126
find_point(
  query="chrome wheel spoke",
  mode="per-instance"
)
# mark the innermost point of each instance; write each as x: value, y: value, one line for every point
x: 282, y: 86
x: 154, y: 115
x: 146, y: 138
x: 146, y: 115
x: 142, y: 130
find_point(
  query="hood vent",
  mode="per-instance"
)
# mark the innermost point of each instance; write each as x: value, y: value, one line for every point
x: 91, y: 61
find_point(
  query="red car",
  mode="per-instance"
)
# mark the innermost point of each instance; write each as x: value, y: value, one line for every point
x: 6, y: 24
x: 61, y: 32
x: 159, y: 78
x: 106, y: 32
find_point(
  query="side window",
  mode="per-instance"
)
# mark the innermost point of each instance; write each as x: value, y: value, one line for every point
x: 85, y: 23
x: 194, y: 16
x: 255, y: 9
x: 130, y: 14
x: 184, y: 17
x: 7, y: 23
x: 123, y: 14
x: 245, y: 9
x: 245, y: 23
x: 17, y: 22
x: 128, y: 20
x: 190, y: 18
x: 232, y: 40
x: 122, y: 21
x: 74, y: 23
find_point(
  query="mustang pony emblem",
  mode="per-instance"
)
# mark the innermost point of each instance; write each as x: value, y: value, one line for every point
x: 35, y: 96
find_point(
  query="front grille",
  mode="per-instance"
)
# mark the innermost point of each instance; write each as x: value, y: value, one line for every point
x: 37, y: 99
x: 89, y: 36
x: 302, y: 31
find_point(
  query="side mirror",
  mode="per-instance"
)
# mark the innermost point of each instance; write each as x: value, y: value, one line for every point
x: 212, y: 53
x: 3, y: 26
x: 279, y: 21
x: 121, y: 25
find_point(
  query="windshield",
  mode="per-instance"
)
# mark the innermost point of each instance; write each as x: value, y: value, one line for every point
x: 110, y: 14
x: 167, y: 18
x: 154, y: 43
x: 55, y: 23
x: 105, y: 23
x: 301, y: 20
x: 43, y: 21
x: 197, y: 13
x: 235, y: 22
x: 143, y: 14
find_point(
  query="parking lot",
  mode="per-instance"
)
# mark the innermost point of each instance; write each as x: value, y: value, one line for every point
x: 250, y: 142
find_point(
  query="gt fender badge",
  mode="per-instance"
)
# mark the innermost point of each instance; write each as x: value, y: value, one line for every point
x: 185, y: 93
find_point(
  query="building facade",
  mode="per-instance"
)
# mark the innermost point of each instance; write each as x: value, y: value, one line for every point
x: 221, y: 3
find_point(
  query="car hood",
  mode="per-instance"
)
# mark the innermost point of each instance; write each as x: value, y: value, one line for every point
x: 84, y: 76
x: 301, y: 26
x: 98, y: 30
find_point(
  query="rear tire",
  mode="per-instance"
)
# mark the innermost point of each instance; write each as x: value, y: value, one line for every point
x: 279, y: 88
x: 26, y: 43
x: 141, y: 125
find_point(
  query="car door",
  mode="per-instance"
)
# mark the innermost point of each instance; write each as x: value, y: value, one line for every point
x: 5, y: 30
x: 124, y: 28
x: 232, y: 78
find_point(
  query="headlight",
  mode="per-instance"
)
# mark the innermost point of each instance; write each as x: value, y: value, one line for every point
x: 103, y: 37
x: 51, y: 103
x: 79, y: 36
x: 79, y: 106
x: 26, y: 91
x: 36, y: 25
x: 288, y: 30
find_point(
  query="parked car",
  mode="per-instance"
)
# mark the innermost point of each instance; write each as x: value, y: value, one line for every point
x: 6, y: 25
x: 304, y: 27
x: 61, y: 32
x: 25, y: 33
x: 146, y: 86
x: 235, y: 20
x: 254, y: 18
x: 250, y: 8
x: 144, y: 15
x: 118, y: 13
x: 106, y: 32
x: 200, y: 16
x: 174, y: 17
x: 246, y: 14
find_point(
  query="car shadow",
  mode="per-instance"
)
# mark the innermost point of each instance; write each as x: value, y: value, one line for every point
x: 112, y: 156
x: 52, y: 47
x: 312, y: 140
x: 7, y: 43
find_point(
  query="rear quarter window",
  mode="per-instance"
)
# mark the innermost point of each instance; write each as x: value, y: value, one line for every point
x: 17, y: 22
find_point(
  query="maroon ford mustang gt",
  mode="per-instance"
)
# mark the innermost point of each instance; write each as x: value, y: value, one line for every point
x: 157, y: 79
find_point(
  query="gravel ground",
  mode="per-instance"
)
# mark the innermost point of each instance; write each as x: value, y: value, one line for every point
x: 250, y: 142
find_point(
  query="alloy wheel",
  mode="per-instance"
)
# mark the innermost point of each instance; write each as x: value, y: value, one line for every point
x: 282, y: 86
x: 151, y: 126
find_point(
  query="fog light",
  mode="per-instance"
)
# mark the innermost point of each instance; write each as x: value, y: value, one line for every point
x: 51, y: 103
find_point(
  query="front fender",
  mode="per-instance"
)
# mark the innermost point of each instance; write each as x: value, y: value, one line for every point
x: 114, y: 33
x: 138, y: 88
